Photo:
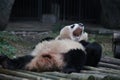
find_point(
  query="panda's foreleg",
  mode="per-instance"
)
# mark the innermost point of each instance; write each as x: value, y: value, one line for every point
x: 94, y: 53
x: 75, y: 60
x: 16, y: 63
x: 84, y: 43
x: 47, y: 39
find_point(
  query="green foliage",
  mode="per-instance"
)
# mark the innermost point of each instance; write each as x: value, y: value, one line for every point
x: 5, y: 36
x: 6, y: 41
x: 105, y: 41
x: 92, y: 40
x: 57, y: 27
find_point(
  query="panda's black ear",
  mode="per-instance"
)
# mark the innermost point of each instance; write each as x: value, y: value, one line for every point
x: 72, y: 26
x: 81, y: 24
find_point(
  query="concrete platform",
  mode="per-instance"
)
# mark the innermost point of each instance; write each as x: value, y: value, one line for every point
x: 28, y: 26
x: 35, y: 26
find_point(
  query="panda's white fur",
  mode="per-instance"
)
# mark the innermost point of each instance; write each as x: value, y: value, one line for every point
x: 68, y: 33
x: 54, y: 48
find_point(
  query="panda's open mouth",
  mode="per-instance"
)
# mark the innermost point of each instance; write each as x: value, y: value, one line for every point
x: 77, y: 32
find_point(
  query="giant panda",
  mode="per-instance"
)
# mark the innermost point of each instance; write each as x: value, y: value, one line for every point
x: 54, y: 55
x: 76, y: 33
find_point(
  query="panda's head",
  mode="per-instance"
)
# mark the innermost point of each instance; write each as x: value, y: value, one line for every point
x: 73, y: 32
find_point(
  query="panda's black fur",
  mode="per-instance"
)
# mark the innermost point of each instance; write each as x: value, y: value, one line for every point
x: 75, y: 61
x: 47, y: 39
x: 55, y: 55
x: 94, y: 52
x: 16, y: 63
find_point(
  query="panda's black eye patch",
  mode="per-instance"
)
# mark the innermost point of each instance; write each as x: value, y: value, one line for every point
x: 72, y: 26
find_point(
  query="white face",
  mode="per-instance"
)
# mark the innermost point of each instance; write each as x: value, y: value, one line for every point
x: 76, y: 31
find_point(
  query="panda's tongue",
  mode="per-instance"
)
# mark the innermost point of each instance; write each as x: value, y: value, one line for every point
x: 77, y: 32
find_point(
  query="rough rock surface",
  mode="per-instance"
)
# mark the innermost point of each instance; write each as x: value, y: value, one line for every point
x: 111, y: 13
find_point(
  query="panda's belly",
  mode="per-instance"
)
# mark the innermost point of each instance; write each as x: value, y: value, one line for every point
x: 56, y: 46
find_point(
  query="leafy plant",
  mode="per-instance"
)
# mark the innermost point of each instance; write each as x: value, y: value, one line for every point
x: 57, y: 27
x: 6, y: 47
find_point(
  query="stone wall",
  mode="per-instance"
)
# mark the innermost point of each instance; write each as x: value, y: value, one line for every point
x: 111, y: 13
x: 5, y: 9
